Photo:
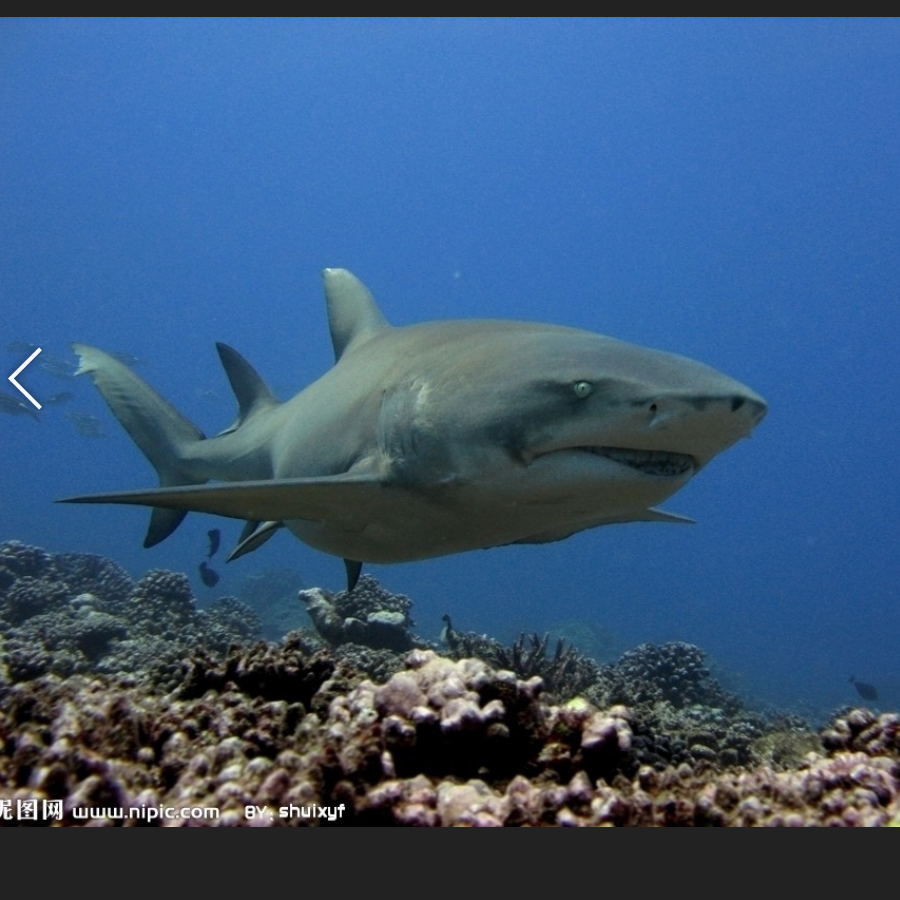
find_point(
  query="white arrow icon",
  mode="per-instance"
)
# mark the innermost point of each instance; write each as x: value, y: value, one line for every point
x: 12, y: 378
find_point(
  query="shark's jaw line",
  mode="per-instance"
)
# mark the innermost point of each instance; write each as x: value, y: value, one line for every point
x: 435, y: 438
x: 651, y: 463
x: 656, y: 463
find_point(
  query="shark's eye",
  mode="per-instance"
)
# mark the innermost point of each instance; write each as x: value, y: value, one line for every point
x: 583, y: 388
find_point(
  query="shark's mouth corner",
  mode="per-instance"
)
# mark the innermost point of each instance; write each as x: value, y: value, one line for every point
x: 658, y: 463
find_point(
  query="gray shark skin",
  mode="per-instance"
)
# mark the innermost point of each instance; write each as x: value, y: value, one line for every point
x: 435, y: 438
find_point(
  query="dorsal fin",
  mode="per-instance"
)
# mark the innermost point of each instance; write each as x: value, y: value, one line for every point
x: 353, y: 313
x: 250, y: 390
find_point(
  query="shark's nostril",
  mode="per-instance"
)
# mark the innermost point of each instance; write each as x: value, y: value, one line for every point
x: 756, y: 407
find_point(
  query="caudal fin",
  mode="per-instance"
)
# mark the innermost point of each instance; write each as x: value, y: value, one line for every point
x: 161, y: 432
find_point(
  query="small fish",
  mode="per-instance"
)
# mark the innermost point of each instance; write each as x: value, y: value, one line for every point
x: 86, y: 423
x: 25, y: 347
x: 866, y: 691
x: 60, y: 398
x: 448, y: 635
x: 215, y: 538
x: 210, y: 577
x: 56, y: 366
x: 15, y: 407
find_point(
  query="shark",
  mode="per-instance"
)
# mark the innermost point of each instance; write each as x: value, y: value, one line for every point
x: 433, y: 438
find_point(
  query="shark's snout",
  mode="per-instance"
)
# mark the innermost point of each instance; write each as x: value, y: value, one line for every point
x: 713, y: 424
x: 682, y: 429
x: 747, y: 409
x: 756, y: 406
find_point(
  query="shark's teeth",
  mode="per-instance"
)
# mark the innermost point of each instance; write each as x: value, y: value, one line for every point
x: 649, y: 462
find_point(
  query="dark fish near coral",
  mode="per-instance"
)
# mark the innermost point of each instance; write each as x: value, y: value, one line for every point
x: 13, y: 407
x: 86, y: 424
x: 215, y: 538
x: 210, y: 577
x: 866, y: 691
x: 448, y: 636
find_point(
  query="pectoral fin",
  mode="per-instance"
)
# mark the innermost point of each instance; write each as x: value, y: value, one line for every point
x: 254, y: 535
x: 333, y: 498
x: 651, y: 514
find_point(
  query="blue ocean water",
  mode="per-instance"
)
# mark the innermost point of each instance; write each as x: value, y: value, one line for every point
x: 728, y: 189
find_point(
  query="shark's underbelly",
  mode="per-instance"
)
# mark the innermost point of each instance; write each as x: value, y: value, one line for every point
x: 407, y: 525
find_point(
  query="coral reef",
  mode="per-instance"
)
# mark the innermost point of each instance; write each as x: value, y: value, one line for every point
x: 368, y: 615
x: 565, y: 672
x: 860, y: 730
x: 69, y: 613
x: 237, y: 731
x: 675, y: 672
x: 679, y: 713
x: 281, y: 736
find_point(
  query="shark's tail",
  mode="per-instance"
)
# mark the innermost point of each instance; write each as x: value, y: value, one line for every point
x: 161, y: 432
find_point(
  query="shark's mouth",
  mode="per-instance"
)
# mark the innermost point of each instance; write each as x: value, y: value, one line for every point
x: 660, y: 463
